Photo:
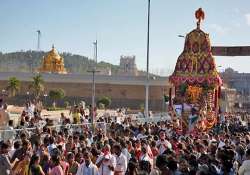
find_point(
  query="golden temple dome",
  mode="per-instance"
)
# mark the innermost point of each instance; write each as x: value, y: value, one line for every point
x: 53, y: 63
x: 53, y: 54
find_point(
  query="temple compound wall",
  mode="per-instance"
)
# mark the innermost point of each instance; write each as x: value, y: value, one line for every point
x: 127, y: 91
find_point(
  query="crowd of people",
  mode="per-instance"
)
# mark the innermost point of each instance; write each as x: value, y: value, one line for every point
x: 126, y: 148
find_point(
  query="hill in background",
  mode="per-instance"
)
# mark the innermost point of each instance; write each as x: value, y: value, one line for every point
x: 29, y: 61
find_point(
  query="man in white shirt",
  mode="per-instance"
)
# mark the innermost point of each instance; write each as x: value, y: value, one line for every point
x: 87, y: 167
x: 245, y: 167
x: 125, y: 150
x: 106, y: 162
x: 30, y: 108
x: 17, y: 145
x: 121, y: 160
x: 162, y: 143
x: 52, y: 145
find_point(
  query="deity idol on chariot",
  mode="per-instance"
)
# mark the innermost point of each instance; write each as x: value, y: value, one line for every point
x: 196, y: 81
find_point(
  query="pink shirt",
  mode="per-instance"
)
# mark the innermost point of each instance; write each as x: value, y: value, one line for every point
x: 64, y: 165
x: 57, y: 170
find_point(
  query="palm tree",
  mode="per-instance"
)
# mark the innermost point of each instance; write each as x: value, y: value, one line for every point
x: 37, y: 86
x: 13, y: 86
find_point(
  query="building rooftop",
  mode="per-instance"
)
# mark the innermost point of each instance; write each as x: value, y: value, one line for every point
x: 87, y: 78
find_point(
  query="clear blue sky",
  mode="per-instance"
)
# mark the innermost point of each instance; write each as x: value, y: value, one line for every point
x: 120, y: 27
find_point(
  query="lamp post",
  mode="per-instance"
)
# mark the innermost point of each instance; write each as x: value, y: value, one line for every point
x: 93, y: 71
x: 147, y: 77
x: 181, y: 36
x: 38, y: 39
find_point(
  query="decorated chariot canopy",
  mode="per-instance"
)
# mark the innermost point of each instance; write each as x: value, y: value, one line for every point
x: 196, y: 65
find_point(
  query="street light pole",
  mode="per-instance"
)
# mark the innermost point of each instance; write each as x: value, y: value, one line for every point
x: 93, y: 71
x: 93, y: 81
x: 38, y: 39
x: 95, y: 51
x: 147, y: 80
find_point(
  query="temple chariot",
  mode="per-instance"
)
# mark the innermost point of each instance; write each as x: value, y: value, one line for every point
x: 196, y: 81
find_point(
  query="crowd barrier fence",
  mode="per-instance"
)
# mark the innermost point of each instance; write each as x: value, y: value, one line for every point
x: 13, y: 134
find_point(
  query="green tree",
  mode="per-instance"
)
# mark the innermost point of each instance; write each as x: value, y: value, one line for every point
x: 56, y: 94
x: 37, y: 85
x: 13, y: 86
x: 106, y: 101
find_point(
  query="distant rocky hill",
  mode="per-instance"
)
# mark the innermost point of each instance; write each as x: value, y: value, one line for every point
x: 27, y: 61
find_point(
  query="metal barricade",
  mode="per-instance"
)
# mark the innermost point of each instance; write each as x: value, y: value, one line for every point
x: 13, y: 134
